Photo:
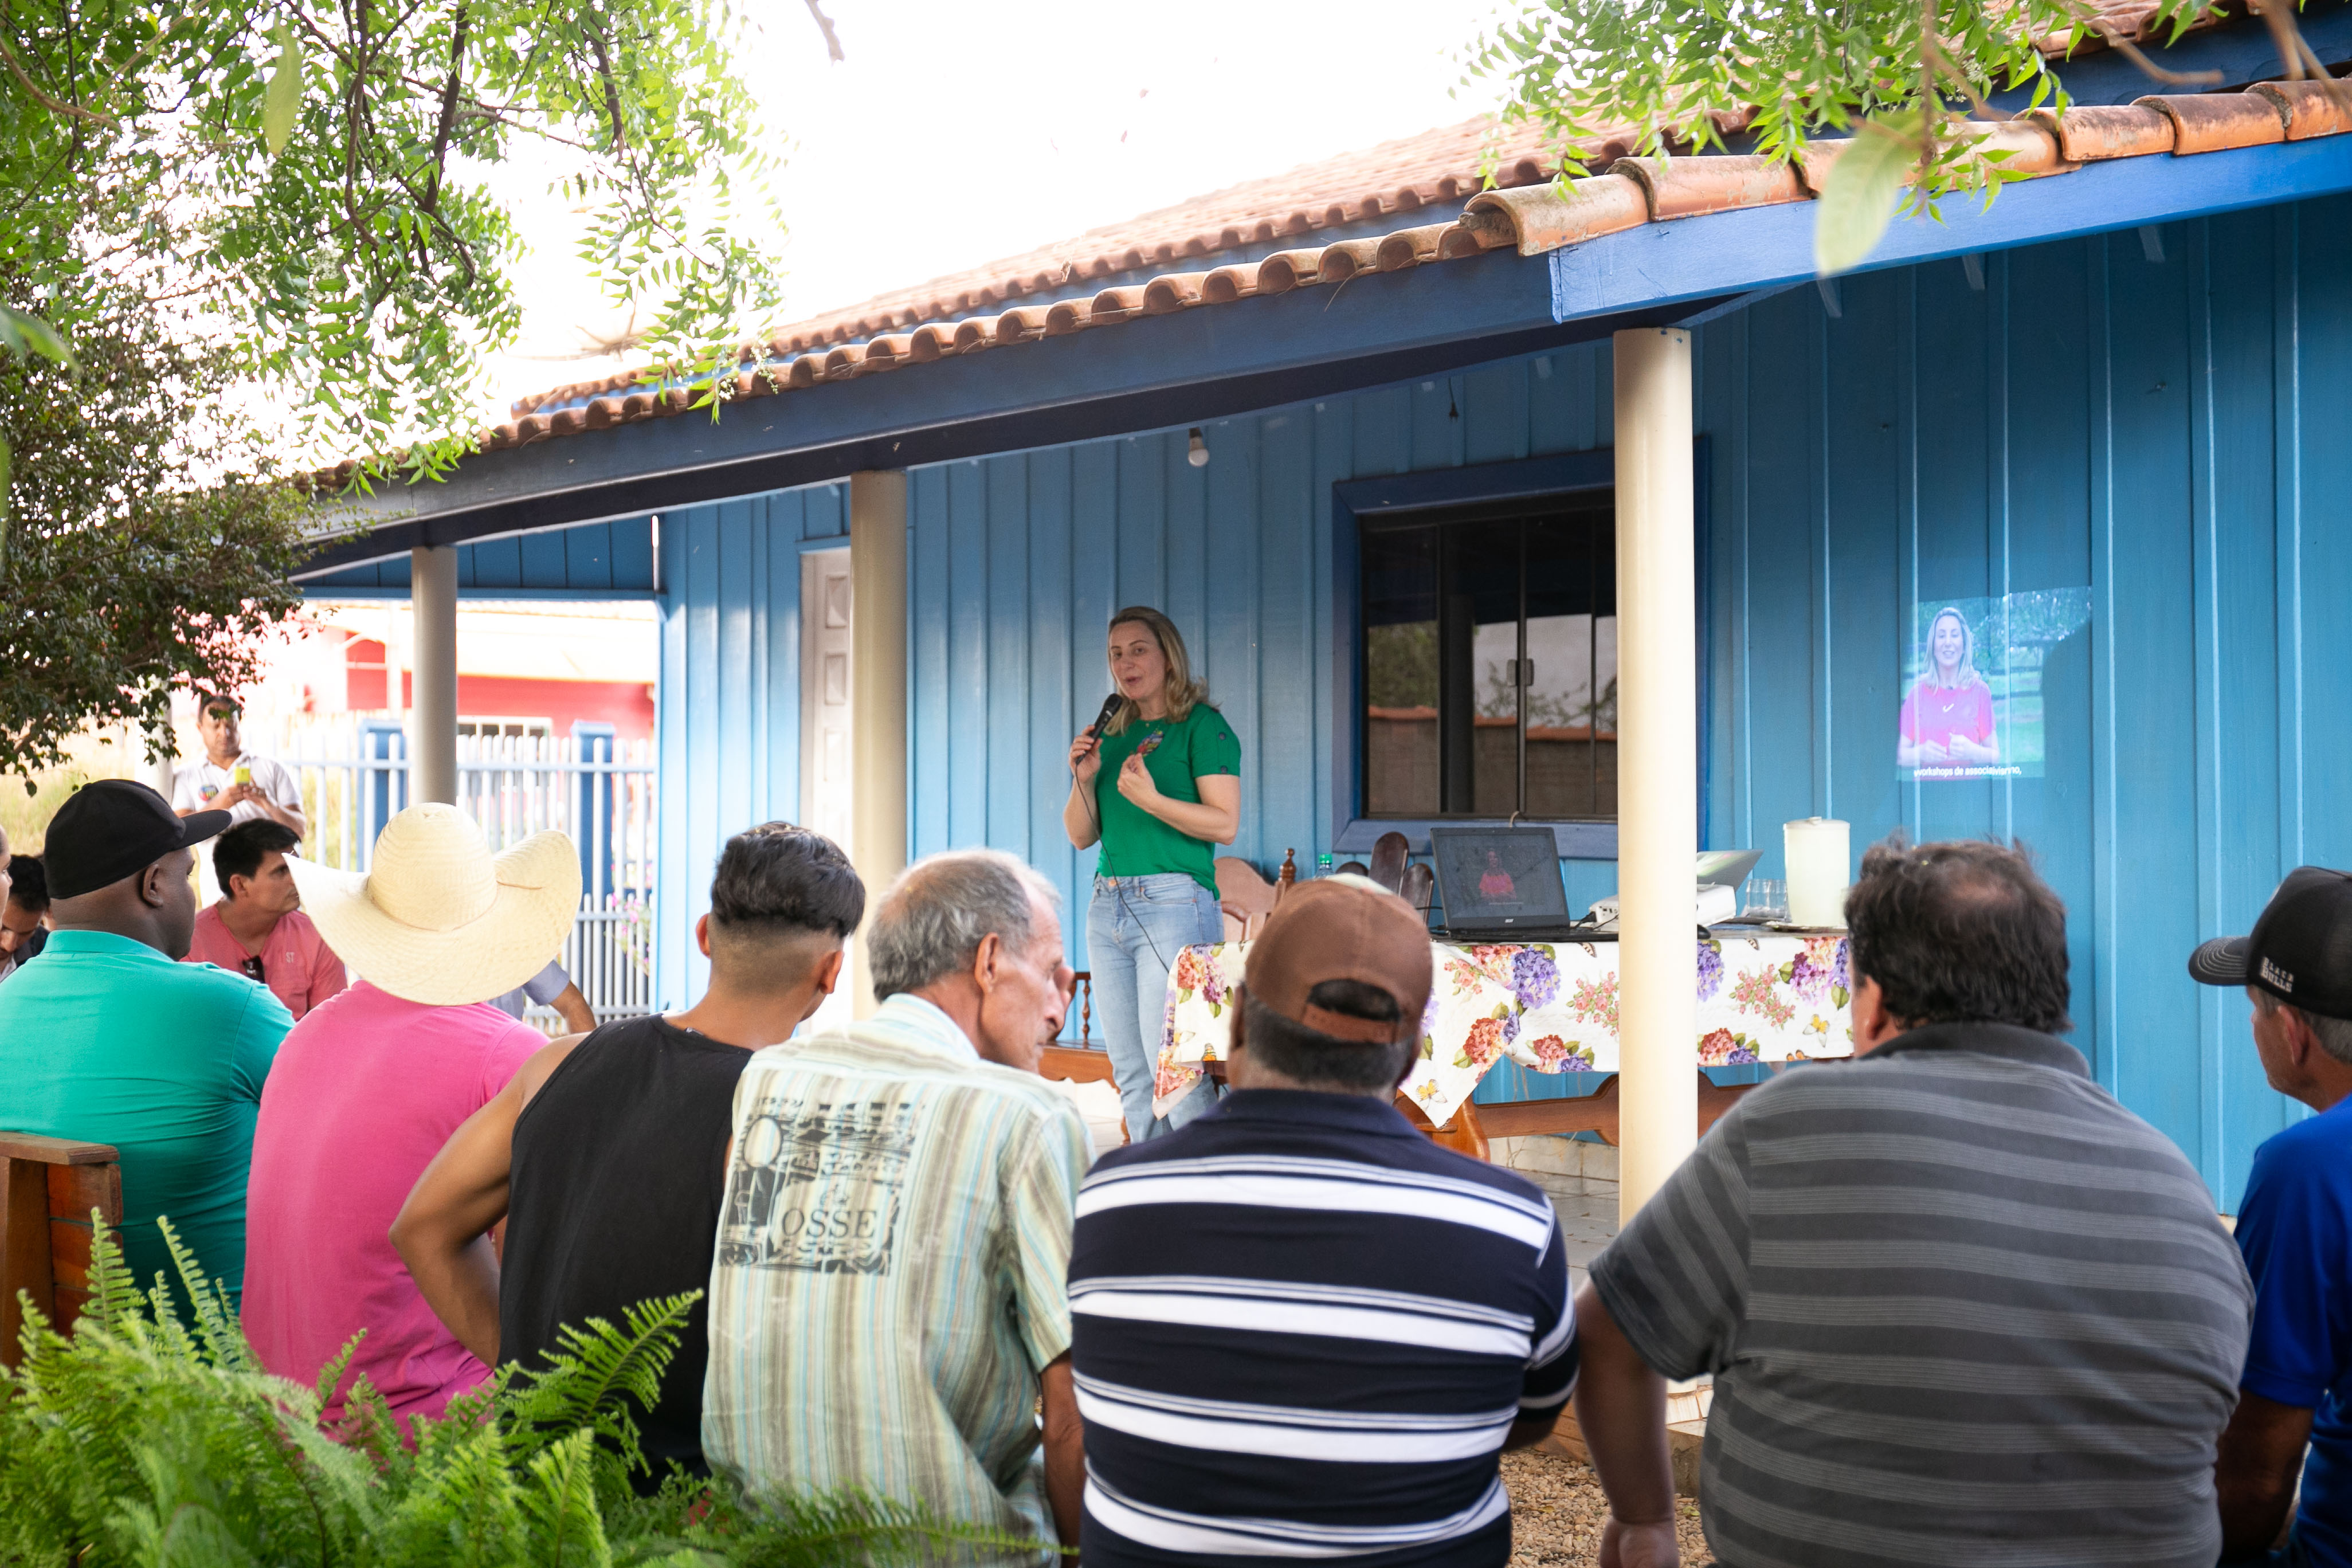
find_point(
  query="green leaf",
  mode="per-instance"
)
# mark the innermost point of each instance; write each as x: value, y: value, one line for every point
x: 1859, y: 202
x: 29, y: 334
x: 284, y: 97
x: 8, y: 470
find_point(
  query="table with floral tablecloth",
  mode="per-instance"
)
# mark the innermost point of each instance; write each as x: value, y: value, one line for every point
x: 1551, y: 1007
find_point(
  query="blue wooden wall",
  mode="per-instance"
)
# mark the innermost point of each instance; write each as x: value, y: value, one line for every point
x: 1019, y: 561
x: 729, y: 710
x: 590, y: 561
x: 2154, y: 421
x: 2157, y: 421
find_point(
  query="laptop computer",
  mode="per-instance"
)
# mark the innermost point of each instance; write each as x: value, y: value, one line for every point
x: 1501, y: 884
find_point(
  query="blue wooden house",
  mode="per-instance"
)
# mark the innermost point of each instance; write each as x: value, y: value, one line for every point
x: 2104, y: 419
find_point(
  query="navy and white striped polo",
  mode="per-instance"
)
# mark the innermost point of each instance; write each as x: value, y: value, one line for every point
x: 1300, y: 1328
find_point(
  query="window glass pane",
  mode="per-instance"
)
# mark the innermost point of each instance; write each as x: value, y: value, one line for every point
x: 1401, y: 752
x: 1572, y: 645
x: 1443, y: 607
x: 1478, y: 620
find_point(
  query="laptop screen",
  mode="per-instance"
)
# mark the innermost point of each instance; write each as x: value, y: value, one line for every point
x: 1495, y: 879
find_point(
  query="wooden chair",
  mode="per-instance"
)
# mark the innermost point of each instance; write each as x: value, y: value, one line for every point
x: 1245, y: 897
x: 1389, y: 852
x: 1083, y: 1060
x: 1419, y: 889
x: 48, y: 1188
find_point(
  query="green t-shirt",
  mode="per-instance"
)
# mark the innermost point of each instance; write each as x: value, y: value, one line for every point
x: 105, y: 1040
x: 1134, y: 842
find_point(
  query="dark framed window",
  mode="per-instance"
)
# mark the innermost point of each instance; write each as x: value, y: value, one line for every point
x: 1489, y: 660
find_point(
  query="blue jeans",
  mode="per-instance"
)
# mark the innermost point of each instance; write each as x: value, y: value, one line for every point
x: 1135, y: 928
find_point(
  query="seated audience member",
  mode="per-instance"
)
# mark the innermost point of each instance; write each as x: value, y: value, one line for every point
x: 1959, y: 1305
x: 2295, y: 1229
x: 608, y: 1158
x: 22, y: 905
x: 110, y: 1040
x: 258, y: 929
x: 553, y: 987
x: 370, y: 1085
x: 887, y: 1300
x: 1302, y: 1328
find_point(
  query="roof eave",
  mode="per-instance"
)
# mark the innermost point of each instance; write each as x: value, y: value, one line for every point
x: 1205, y: 362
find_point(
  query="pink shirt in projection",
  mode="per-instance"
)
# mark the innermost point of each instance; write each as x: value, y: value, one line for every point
x: 297, y: 964
x: 364, y: 1092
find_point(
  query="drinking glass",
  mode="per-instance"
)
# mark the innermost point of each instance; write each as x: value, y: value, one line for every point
x: 1768, y: 898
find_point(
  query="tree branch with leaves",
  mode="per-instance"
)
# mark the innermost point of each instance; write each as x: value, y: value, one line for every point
x: 1907, y: 81
x: 309, y: 184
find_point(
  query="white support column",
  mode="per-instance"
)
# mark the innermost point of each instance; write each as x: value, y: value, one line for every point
x: 1657, y: 761
x: 433, y: 727
x: 877, y: 697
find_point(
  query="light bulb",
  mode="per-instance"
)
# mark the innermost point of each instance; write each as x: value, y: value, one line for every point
x: 1197, y: 450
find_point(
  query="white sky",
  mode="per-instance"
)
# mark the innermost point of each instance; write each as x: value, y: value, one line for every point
x: 955, y: 133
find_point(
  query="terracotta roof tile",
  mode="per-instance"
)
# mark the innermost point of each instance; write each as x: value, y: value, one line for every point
x: 2310, y: 108
x: 1394, y: 177
x: 1531, y: 218
x: 2118, y: 131
x: 2217, y: 122
x: 1689, y: 187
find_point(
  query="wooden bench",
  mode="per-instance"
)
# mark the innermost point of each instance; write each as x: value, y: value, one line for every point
x: 48, y: 1188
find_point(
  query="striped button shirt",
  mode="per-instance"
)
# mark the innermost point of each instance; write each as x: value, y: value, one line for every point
x: 1302, y: 1329
x: 1961, y: 1307
x: 891, y: 1270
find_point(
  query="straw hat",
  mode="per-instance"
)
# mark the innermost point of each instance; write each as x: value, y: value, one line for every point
x: 439, y: 920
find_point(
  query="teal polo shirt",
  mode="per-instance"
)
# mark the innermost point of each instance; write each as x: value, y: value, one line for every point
x: 105, y: 1040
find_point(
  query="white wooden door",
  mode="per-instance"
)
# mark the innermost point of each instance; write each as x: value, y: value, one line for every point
x: 826, y: 611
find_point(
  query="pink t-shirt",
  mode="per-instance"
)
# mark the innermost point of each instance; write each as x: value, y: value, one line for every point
x: 364, y: 1092
x: 296, y: 962
x: 1936, y: 713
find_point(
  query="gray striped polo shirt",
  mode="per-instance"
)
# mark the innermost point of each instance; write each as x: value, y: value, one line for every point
x: 1960, y: 1306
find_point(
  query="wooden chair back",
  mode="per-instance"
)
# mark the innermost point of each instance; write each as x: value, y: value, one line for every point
x: 48, y: 1188
x: 1419, y: 889
x: 1245, y: 897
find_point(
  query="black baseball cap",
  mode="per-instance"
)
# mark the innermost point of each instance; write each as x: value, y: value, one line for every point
x: 110, y: 828
x: 2300, y: 950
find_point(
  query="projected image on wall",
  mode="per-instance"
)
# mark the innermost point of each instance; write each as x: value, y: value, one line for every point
x: 1972, y: 683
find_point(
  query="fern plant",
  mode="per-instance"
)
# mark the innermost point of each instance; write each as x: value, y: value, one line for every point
x: 148, y: 1441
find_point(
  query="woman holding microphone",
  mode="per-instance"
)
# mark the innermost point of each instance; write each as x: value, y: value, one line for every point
x: 1158, y: 791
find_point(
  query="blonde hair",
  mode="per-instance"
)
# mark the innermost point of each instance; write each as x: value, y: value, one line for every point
x: 1965, y: 673
x: 1185, y: 693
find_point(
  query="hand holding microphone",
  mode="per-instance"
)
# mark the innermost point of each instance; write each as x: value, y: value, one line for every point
x: 1085, y: 752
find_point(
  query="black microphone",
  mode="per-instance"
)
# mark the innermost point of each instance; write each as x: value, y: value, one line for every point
x: 1110, y: 708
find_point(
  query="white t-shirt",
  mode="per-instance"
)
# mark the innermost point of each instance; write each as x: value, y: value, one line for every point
x: 194, y: 784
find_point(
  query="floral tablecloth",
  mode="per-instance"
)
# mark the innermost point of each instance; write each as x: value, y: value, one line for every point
x: 1551, y: 1007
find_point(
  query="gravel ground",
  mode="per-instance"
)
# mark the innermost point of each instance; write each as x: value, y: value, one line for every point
x: 1557, y: 1511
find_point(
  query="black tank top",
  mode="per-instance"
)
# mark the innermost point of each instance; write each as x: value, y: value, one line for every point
x: 620, y: 1167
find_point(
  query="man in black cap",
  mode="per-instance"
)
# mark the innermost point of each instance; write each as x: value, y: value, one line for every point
x: 2295, y: 1227
x: 110, y: 1039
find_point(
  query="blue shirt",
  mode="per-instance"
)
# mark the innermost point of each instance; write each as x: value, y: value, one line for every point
x: 108, y: 1041
x: 2295, y: 1227
x: 1300, y: 1328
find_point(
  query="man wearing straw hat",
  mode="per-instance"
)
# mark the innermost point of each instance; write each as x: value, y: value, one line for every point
x: 372, y: 1083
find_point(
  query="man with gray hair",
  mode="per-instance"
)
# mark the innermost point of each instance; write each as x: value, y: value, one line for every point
x: 887, y: 1305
